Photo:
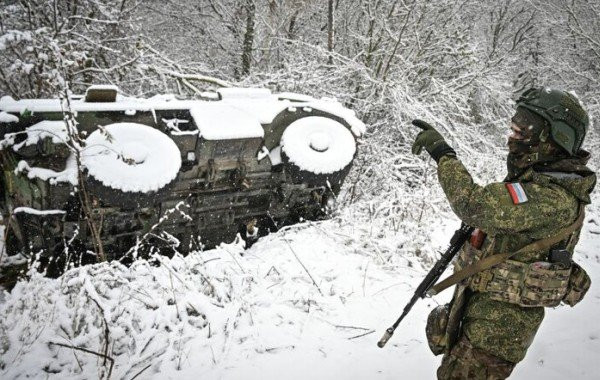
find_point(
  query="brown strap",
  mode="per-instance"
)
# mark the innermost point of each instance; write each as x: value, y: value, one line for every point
x: 496, y: 259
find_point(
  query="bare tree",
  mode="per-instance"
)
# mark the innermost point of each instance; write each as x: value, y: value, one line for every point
x: 330, y: 29
x: 248, y: 42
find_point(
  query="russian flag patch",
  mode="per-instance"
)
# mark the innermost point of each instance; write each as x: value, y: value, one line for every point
x: 517, y: 193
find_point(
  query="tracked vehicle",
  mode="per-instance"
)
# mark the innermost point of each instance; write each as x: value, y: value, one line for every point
x: 165, y: 172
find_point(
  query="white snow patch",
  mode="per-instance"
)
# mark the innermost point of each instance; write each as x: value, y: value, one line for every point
x: 259, y: 104
x: 173, y: 126
x: 209, y: 95
x: 8, y: 118
x: 53, y: 177
x: 275, y: 155
x: 56, y: 130
x: 223, y: 121
x: 335, y: 108
x: 264, y: 152
x: 137, y: 158
x: 264, y: 110
x: 244, y: 93
x: 103, y: 87
x: 295, y: 97
x: 318, y: 144
x: 12, y: 36
x: 33, y: 211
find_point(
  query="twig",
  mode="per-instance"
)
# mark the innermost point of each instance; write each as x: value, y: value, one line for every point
x: 391, y: 286
x: 143, y: 369
x: 171, y: 271
x: 174, y: 296
x: 209, y: 260
x: 106, y: 330
x: 234, y: 259
x: 361, y: 335
x: 275, y: 349
x: 106, y: 357
x: 306, y: 270
x: 349, y: 327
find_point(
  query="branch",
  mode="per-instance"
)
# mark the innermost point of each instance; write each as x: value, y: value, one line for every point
x: 198, y: 77
x: 105, y: 357
x: 304, y: 267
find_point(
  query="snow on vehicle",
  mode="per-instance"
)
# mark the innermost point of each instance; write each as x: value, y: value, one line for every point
x: 183, y: 173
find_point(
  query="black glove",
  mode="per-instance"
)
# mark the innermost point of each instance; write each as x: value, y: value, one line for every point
x: 432, y: 141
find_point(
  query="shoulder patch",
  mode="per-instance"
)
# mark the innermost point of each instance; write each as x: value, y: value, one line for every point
x: 517, y: 193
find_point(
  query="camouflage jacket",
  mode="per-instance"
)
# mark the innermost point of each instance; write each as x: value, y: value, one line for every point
x: 554, y: 195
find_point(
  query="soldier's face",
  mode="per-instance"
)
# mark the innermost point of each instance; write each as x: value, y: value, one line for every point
x: 521, y: 130
x: 522, y: 134
x: 517, y: 132
x: 526, y: 128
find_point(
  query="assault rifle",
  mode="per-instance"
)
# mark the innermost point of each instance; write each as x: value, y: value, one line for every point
x: 458, y: 239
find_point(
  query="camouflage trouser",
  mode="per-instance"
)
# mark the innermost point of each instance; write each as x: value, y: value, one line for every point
x: 495, y: 336
x: 466, y: 362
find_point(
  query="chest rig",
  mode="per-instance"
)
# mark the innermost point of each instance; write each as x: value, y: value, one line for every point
x: 541, y: 283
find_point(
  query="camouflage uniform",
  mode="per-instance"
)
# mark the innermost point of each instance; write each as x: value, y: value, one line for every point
x: 492, y: 336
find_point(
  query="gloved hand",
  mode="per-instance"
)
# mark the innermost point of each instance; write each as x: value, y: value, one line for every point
x: 432, y: 141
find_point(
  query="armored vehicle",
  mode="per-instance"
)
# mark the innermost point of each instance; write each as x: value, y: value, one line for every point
x: 105, y: 169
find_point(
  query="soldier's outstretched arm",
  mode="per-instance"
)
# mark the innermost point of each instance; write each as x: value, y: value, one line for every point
x: 504, y: 207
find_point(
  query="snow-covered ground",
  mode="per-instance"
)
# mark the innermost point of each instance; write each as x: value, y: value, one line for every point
x: 310, y: 301
x: 307, y: 302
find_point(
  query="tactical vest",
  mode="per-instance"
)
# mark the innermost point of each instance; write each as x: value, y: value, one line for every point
x: 537, y: 284
x: 541, y: 283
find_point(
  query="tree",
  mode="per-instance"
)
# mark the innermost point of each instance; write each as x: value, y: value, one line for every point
x: 96, y: 39
x: 248, y: 41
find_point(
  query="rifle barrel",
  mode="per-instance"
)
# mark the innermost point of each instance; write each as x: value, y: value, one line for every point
x: 458, y: 239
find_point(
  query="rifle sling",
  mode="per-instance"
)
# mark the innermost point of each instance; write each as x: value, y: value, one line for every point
x: 496, y: 259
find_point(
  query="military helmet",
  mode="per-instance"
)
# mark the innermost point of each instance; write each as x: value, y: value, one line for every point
x: 563, y: 111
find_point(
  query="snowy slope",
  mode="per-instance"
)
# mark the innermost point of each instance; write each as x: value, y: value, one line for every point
x: 230, y: 313
x: 267, y: 318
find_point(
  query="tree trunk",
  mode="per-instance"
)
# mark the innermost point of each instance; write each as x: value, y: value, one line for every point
x: 330, y: 31
x: 248, y: 37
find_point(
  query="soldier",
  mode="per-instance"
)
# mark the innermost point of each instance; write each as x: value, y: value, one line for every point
x: 527, y: 229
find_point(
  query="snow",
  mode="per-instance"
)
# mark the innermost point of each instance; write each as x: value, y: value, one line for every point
x: 295, y: 97
x: 136, y: 158
x: 266, y: 315
x: 237, y: 104
x: 318, y: 144
x: 103, y: 87
x: 209, y: 95
x: 12, y: 36
x: 56, y: 130
x: 310, y: 301
x: 335, y: 108
x: 264, y: 110
x: 173, y: 126
x: 8, y: 118
x: 244, y: 93
x: 29, y: 210
x: 222, y: 121
x: 53, y: 177
x: 264, y: 152
x: 275, y: 155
